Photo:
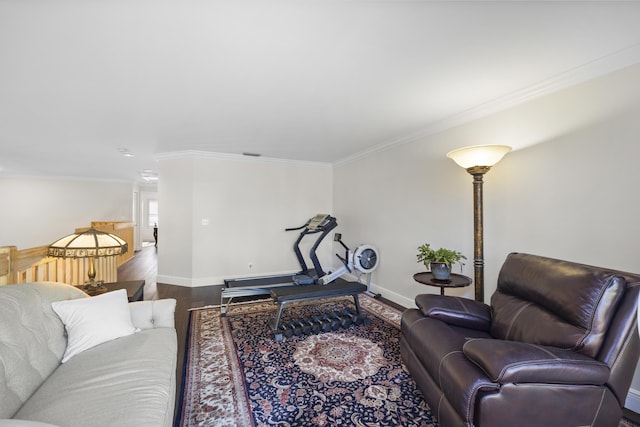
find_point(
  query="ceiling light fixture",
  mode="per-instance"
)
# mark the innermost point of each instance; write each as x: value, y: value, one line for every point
x: 125, y: 152
x: 149, y: 176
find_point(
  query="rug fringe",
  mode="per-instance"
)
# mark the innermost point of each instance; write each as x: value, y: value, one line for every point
x: 205, y: 307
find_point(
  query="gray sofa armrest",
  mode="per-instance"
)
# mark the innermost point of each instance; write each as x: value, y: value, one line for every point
x: 153, y: 314
x: 23, y: 423
x: 455, y: 311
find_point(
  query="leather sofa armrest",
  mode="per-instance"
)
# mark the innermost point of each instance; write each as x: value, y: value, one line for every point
x: 455, y: 311
x: 512, y: 361
x: 153, y: 314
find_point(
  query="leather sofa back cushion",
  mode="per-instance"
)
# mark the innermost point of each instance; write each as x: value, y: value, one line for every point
x: 552, y: 302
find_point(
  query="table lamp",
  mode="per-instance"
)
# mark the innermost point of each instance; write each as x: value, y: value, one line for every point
x: 88, y: 244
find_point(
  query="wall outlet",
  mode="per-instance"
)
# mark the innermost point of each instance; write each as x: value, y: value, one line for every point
x: 205, y: 221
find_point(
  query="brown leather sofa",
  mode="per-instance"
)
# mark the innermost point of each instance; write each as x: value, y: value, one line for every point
x: 558, y: 346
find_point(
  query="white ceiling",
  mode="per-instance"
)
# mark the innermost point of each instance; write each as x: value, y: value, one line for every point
x: 318, y: 80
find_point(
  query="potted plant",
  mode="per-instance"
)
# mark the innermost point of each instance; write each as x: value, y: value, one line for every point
x: 439, y: 261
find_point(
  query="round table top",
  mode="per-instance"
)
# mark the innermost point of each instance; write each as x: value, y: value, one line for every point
x: 456, y: 280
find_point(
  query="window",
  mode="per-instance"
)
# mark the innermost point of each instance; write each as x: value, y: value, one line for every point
x: 152, y: 213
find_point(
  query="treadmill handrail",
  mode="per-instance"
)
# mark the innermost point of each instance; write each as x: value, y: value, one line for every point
x: 318, y: 229
x: 296, y: 228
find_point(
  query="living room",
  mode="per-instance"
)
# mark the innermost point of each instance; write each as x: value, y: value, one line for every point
x: 565, y: 191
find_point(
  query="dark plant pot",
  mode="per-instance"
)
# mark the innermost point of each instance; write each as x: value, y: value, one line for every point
x: 440, y: 270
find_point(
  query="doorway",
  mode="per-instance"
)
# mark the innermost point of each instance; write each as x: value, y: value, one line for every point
x: 149, y: 218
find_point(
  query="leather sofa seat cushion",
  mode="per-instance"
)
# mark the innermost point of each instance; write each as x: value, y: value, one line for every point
x: 565, y: 306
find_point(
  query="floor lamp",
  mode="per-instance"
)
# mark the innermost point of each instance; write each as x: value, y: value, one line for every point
x: 477, y: 160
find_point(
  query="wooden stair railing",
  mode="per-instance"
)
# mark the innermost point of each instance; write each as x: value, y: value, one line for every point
x: 33, y: 264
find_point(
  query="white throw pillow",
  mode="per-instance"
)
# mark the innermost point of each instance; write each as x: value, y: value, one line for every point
x: 93, y: 321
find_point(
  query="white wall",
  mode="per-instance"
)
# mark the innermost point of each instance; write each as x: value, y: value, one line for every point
x: 575, y: 153
x: 37, y: 211
x: 573, y: 197
x: 175, y: 239
x: 398, y: 199
x: 247, y: 202
x: 569, y: 191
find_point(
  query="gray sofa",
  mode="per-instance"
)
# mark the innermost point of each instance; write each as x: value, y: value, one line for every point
x: 128, y: 381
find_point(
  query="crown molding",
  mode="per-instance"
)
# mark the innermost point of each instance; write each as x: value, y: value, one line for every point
x: 196, y: 154
x: 591, y: 70
x: 33, y: 177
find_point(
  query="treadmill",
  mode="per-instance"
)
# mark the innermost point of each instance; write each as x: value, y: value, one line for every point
x: 250, y: 286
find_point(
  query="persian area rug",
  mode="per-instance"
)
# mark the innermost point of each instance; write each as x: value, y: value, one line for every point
x: 236, y: 374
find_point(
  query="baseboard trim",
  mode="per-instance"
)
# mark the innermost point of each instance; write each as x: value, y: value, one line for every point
x: 385, y: 293
x: 210, y: 281
x: 632, y: 402
x: 187, y: 281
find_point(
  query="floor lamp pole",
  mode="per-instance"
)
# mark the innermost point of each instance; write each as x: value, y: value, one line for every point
x: 478, y: 237
x: 477, y: 160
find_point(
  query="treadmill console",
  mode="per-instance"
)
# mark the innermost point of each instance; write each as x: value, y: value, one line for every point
x: 318, y: 221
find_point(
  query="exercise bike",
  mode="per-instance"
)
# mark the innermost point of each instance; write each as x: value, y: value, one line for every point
x: 363, y: 260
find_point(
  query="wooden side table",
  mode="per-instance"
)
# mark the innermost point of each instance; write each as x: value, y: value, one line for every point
x: 456, y: 281
x: 92, y: 291
x: 134, y: 288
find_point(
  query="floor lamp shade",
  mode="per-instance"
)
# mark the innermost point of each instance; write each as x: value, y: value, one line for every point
x: 478, y: 155
x: 477, y: 160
